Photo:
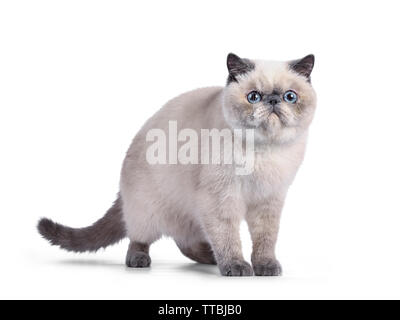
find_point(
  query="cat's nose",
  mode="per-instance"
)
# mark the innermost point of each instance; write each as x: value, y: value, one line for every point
x: 273, y: 99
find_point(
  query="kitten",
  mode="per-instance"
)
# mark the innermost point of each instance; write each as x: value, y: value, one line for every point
x: 201, y: 205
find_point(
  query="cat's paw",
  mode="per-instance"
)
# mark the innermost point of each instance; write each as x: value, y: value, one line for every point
x: 236, y: 268
x: 138, y: 260
x: 269, y: 268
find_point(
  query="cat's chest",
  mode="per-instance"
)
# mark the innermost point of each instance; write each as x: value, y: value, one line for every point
x: 273, y: 173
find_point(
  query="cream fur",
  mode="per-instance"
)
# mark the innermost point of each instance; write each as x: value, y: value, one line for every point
x: 205, y: 203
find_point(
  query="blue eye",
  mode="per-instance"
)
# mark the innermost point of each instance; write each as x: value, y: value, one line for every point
x: 290, y: 96
x: 254, y: 97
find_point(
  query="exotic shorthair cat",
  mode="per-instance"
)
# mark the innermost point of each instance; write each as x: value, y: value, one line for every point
x: 201, y: 206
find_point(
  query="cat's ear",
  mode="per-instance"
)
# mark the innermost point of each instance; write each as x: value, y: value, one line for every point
x: 237, y: 66
x: 303, y: 66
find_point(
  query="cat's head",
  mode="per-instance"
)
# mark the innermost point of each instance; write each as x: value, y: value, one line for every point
x: 274, y: 98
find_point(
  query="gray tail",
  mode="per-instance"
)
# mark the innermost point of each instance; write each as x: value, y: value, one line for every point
x: 108, y: 230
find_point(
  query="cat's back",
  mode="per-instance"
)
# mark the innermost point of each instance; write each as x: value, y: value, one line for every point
x: 189, y: 108
x: 199, y: 95
x: 196, y: 109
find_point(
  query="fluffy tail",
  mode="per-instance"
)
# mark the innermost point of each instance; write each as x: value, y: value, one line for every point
x: 106, y: 231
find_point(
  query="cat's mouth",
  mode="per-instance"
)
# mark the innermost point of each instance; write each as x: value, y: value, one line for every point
x: 278, y: 118
x: 272, y: 120
x: 273, y: 117
x: 268, y: 121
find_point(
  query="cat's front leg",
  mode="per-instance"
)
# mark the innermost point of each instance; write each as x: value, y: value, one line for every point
x: 263, y: 221
x: 222, y: 228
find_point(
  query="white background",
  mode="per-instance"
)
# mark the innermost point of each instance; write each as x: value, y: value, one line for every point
x: 79, y: 78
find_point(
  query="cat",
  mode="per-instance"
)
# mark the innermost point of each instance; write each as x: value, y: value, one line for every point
x: 201, y: 206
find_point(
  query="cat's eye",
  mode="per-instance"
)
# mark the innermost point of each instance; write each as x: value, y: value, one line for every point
x: 290, y: 96
x: 254, y: 97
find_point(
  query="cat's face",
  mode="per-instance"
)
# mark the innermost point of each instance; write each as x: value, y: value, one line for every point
x: 274, y: 98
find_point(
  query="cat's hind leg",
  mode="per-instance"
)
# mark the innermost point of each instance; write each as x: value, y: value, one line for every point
x: 138, y: 255
x: 200, y: 252
x: 142, y: 229
x: 142, y: 236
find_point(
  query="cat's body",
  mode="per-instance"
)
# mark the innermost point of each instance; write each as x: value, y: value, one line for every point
x: 201, y: 205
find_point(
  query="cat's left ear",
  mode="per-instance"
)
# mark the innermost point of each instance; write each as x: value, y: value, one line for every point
x: 303, y: 66
x: 237, y: 66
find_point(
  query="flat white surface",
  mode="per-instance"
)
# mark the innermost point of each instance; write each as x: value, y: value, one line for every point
x: 79, y: 78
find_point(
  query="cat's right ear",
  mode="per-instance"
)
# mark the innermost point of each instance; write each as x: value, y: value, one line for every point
x: 304, y: 66
x: 237, y: 66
